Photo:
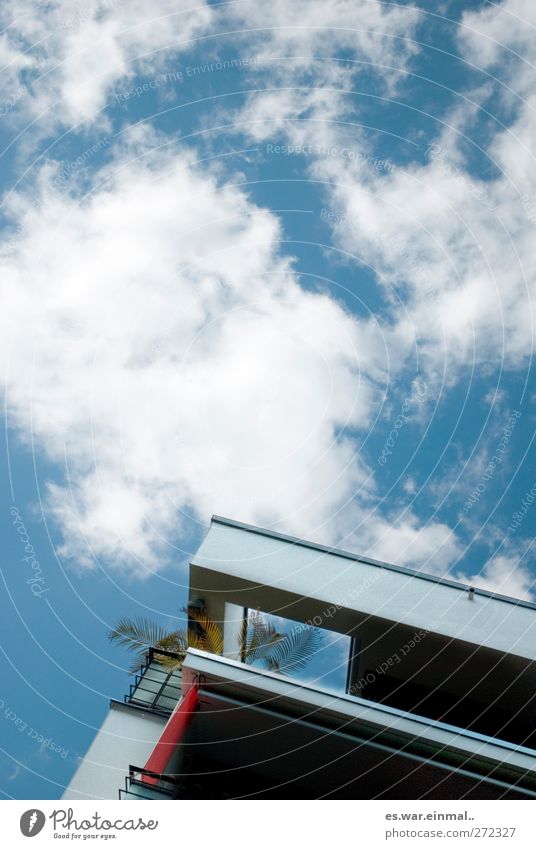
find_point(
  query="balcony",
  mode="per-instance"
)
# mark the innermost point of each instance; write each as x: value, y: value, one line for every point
x: 156, y: 687
x: 267, y: 736
x: 255, y: 734
x: 138, y: 788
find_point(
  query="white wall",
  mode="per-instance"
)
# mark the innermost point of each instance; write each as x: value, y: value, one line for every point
x: 232, y: 629
x: 127, y: 736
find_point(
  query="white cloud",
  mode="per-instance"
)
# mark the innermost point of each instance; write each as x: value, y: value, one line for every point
x: 505, y: 575
x: 235, y: 401
x: 501, y: 39
x: 299, y: 48
x: 307, y: 30
x: 454, y: 252
x: 159, y: 343
x: 499, y: 32
x: 160, y: 347
x: 432, y: 547
x: 409, y: 486
x: 457, y: 250
x: 71, y: 56
x: 381, y: 528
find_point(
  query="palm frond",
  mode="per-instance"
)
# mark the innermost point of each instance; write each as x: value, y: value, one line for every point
x: 137, y: 633
x: 263, y: 637
x: 258, y: 641
x: 140, y: 634
x: 210, y: 637
x: 294, y: 650
x: 176, y: 642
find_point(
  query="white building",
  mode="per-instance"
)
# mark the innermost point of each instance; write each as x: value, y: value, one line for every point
x: 439, y: 699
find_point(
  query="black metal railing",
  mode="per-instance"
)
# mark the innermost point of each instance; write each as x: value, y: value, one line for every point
x: 157, y: 686
x: 163, y: 787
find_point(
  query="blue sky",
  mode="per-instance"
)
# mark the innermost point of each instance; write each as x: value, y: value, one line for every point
x: 270, y: 261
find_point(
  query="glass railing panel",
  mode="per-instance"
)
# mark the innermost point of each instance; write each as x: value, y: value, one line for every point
x: 137, y: 788
x: 157, y: 686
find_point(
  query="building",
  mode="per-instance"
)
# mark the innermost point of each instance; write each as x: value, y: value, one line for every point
x: 438, y: 700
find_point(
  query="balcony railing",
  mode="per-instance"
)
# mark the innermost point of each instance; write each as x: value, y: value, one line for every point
x: 157, y: 686
x: 137, y: 789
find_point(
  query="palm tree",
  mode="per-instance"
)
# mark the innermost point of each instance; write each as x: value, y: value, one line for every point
x: 258, y: 642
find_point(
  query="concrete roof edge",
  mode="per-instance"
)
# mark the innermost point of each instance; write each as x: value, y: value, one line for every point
x: 339, y: 552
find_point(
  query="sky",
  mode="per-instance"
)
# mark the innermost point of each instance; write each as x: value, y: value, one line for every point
x: 275, y: 262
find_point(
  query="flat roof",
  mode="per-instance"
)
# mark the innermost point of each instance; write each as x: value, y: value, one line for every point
x: 349, y: 555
